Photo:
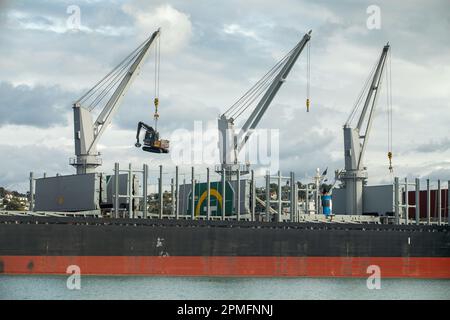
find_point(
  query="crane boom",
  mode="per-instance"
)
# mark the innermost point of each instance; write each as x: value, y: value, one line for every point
x: 87, y: 133
x: 231, y: 143
x: 355, y: 143
x: 372, y: 96
x: 262, y: 106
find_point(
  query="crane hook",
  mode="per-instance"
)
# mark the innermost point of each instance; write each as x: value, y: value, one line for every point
x: 391, y: 169
x: 156, y: 114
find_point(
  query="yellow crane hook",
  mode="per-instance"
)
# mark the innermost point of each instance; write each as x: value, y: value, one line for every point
x: 391, y: 169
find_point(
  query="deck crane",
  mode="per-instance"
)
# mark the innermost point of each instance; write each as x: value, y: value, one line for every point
x: 151, y: 141
x: 354, y: 176
x: 106, y: 94
x: 230, y: 143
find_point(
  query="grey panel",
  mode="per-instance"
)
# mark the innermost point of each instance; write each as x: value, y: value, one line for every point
x: 378, y: 199
x: 183, y: 205
x: 68, y: 193
x: 123, y: 189
x: 244, y: 197
x: 338, y: 200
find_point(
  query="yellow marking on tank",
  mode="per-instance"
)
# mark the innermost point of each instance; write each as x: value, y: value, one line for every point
x: 214, y: 193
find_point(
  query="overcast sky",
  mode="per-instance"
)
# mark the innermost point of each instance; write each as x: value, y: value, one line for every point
x: 212, y: 52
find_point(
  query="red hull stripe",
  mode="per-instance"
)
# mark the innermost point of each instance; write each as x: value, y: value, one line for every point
x: 229, y: 266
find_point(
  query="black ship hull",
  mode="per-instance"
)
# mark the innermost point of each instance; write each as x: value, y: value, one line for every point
x: 45, y: 245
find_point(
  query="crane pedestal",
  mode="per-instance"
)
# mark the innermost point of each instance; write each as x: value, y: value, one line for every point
x: 354, y: 181
x: 85, y: 163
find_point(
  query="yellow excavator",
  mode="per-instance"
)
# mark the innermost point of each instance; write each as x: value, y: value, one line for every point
x: 151, y: 141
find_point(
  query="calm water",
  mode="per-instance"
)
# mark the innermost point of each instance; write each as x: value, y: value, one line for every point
x: 94, y: 287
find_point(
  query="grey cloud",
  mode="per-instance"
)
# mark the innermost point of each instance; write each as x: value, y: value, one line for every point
x: 94, y: 14
x: 18, y: 161
x: 38, y: 106
x: 434, y: 146
x: 442, y: 174
x: 414, y: 30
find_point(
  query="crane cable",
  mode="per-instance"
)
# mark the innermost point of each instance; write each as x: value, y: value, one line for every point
x: 254, y: 92
x: 102, y: 89
x: 308, y: 74
x: 389, y: 111
x: 258, y: 90
x: 157, y: 68
x: 362, y: 93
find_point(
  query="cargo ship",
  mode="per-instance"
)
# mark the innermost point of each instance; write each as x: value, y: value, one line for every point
x: 169, y: 247
x: 219, y: 228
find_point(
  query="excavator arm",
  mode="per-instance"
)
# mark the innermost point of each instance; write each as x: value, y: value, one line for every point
x: 150, y: 132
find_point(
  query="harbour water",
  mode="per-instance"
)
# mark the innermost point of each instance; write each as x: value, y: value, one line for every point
x: 185, y: 288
